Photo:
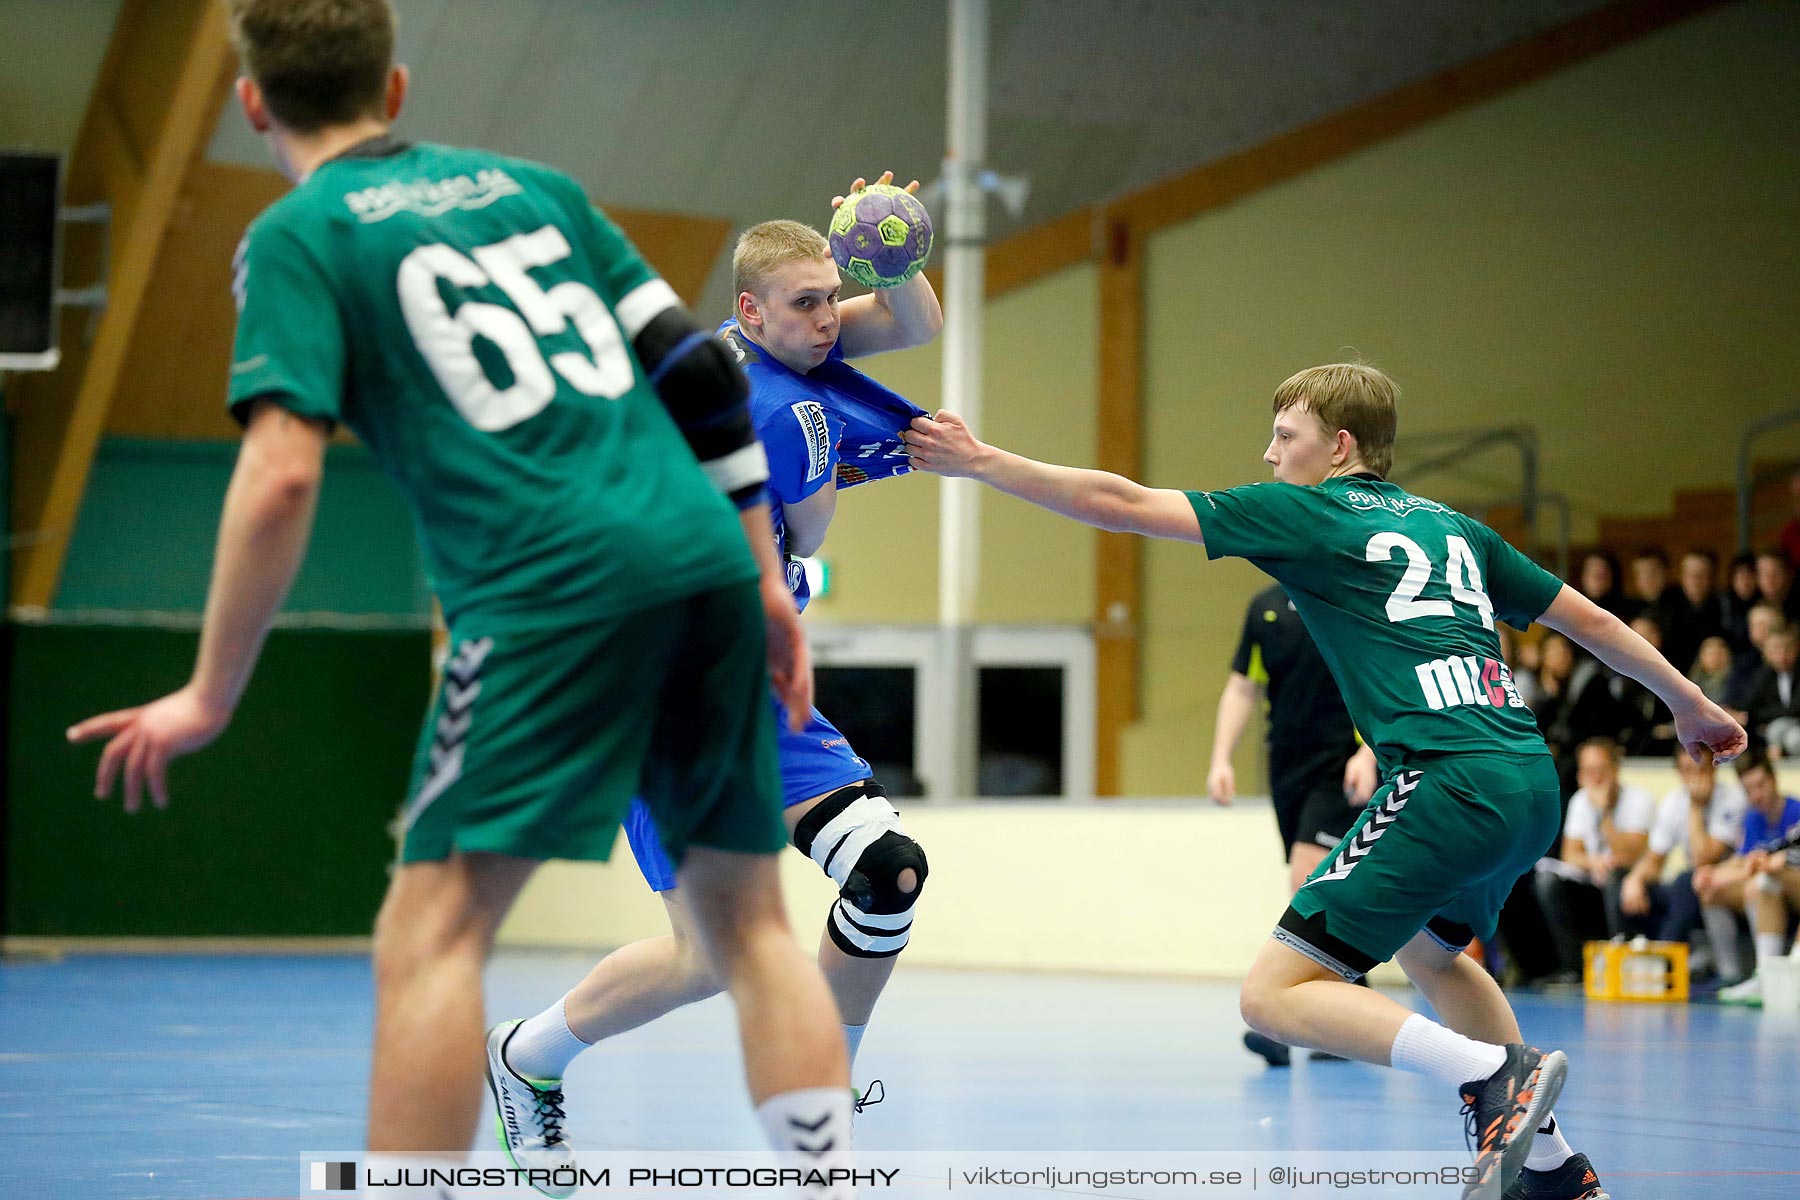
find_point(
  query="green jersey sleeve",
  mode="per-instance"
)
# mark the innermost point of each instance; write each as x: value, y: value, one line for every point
x: 1258, y: 521
x: 1519, y: 588
x: 290, y: 330
x: 620, y: 267
x: 614, y: 263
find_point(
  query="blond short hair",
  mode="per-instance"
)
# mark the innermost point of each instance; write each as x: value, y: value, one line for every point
x: 766, y: 248
x: 1351, y: 397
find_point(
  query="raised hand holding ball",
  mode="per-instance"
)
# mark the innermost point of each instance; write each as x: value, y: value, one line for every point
x: 880, y: 234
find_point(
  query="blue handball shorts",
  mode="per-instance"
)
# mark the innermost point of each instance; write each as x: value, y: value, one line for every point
x: 814, y: 761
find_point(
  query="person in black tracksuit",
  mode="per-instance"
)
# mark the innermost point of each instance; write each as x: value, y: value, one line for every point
x: 1319, y: 776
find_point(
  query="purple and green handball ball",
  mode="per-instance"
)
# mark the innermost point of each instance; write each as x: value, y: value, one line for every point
x: 881, y: 236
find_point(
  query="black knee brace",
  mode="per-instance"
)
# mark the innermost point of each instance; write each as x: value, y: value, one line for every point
x: 854, y: 835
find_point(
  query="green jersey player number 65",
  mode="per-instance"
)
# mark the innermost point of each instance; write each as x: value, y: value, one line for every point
x: 447, y: 340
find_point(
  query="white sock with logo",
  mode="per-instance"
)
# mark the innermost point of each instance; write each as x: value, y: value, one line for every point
x: 544, y: 1046
x: 1768, y: 946
x: 810, y: 1129
x: 1549, y: 1150
x: 1427, y: 1048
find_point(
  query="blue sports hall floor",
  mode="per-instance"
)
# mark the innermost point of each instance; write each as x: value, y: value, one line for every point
x: 207, y: 1077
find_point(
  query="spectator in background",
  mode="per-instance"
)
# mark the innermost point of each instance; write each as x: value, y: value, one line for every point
x: 1598, y: 580
x: 1790, y: 533
x: 1703, y: 816
x: 1320, y: 775
x: 1649, y: 590
x: 1646, y: 727
x: 1747, y: 663
x: 1712, y: 668
x: 1737, y: 880
x: 1526, y: 660
x: 1605, y: 832
x: 1775, y: 583
x: 1573, y: 702
x: 1773, y: 708
x: 1695, y: 610
x: 1740, y: 598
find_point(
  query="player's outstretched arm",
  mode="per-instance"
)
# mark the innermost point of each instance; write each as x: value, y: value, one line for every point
x: 1700, y: 724
x: 896, y: 318
x: 263, y: 533
x: 944, y: 446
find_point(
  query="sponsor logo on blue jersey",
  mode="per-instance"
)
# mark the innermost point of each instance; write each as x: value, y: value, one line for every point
x: 811, y: 415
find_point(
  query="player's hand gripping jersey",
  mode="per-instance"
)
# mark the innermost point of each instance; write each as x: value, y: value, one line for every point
x: 487, y: 340
x: 1414, y: 587
x: 831, y: 422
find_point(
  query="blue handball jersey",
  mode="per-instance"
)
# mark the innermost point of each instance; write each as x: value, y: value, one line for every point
x: 831, y: 422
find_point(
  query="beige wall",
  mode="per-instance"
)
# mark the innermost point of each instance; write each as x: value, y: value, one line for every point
x: 1139, y: 889
x: 1609, y: 255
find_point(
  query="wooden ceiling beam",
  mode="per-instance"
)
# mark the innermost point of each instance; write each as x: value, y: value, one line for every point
x: 165, y: 76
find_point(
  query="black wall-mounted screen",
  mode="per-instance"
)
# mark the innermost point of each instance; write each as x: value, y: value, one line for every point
x: 28, y: 204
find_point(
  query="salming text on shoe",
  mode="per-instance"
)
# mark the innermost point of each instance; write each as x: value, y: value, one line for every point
x: 529, y: 1116
x: 1504, y: 1112
x: 1574, y: 1180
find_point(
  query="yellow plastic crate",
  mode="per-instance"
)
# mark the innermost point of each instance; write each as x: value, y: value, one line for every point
x: 1642, y: 970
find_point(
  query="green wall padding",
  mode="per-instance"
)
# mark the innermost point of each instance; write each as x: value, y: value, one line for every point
x: 279, y: 829
x: 149, y: 523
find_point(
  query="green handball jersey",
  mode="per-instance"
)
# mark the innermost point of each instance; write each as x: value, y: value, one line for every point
x: 1401, y: 593
x: 470, y: 318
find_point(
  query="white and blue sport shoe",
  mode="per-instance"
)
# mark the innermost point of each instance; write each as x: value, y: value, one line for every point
x: 529, y: 1115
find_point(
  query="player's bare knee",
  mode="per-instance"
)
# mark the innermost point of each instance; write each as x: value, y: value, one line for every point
x: 735, y: 901
x: 422, y: 905
x: 695, y: 976
x: 854, y: 835
x: 1259, y: 1004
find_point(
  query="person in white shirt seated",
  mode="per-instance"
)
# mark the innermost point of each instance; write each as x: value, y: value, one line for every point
x: 1703, y: 817
x: 1606, y: 830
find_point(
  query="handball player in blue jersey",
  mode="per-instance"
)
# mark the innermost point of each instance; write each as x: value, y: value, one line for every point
x: 825, y: 426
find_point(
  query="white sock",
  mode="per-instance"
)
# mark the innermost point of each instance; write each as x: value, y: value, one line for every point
x: 810, y: 1129
x: 411, y: 1173
x: 1548, y: 1149
x: 1427, y: 1048
x: 1768, y: 945
x: 544, y: 1046
x: 853, y: 1035
x: 1722, y: 932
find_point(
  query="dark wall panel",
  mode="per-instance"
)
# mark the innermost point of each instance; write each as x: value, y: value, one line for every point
x: 278, y: 829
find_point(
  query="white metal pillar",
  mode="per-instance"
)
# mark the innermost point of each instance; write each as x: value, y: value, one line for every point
x: 959, y: 539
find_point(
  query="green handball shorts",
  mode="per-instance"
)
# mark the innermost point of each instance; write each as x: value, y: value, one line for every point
x: 538, y: 740
x: 1438, y: 848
